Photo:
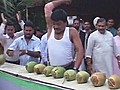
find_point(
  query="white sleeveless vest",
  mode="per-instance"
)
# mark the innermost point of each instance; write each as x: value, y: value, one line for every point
x: 60, y: 51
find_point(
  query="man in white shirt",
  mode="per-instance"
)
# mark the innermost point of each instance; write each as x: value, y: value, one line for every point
x: 9, y: 37
x: 28, y: 45
x: 101, y: 49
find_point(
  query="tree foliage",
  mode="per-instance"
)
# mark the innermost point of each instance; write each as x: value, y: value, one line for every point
x: 10, y: 8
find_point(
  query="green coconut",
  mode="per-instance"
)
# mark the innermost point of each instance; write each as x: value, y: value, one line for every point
x: 70, y: 75
x: 114, y: 82
x: 38, y: 68
x: 98, y: 79
x: 47, y: 71
x: 2, y: 59
x: 58, y: 72
x: 30, y: 66
x: 82, y: 77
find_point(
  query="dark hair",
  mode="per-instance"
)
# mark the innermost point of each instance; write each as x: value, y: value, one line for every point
x: 8, y: 24
x: 59, y: 14
x: 100, y: 20
x: 76, y: 19
x: 28, y: 24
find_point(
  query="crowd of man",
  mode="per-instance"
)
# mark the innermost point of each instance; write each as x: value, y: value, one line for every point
x: 64, y: 45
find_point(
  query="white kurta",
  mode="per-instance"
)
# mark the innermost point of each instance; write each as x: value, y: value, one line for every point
x: 101, y: 48
x: 116, y: 67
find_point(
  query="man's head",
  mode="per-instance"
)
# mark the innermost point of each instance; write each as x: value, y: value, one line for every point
x: 76, y: 23
x: 110, y: 23
x: 59, y: 18
x: 9, y: 29
x: 86, y: 25
x: 38, y: 33
x: 101, y: 25
x: 28, y: 29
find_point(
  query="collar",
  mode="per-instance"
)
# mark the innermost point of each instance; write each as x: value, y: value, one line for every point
x: 33, y: 37
x: 7, y: 36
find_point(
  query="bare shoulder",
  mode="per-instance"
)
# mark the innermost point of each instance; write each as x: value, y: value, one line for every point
x: 73, y: 31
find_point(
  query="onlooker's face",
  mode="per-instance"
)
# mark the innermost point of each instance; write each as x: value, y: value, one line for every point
x: 39, y: 34
x: 28, y: 32
x: 59, y: 26
x: 110, y: 23
x: 101, y: 27
x: 10, y: 31
x: 86, y: 26
x: 76, y: 24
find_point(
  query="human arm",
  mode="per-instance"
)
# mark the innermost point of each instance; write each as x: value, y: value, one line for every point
x: 89, y: 52
x: 44, y: 53
x: 35, y: 54
x: 12, y: 48
x: 20, y: 21
x: 78, y: 47
x: 33, y: 50
x: 2, y: 26
x: 118, y: 59
x: 48, y: 11
x: 116, y: 50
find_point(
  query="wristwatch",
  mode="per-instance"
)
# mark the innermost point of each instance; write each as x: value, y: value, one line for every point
x: 26, y: 51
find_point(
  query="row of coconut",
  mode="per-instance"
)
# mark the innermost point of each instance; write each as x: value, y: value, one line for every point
x: 98, y: 79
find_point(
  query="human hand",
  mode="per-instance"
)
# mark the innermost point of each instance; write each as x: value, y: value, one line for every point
x: 118, y: 59
x: 3, y: 18
x: 18, y: 15
x: 89, y: 69
x: 119, y: 64
x: 22, y: 52
x: 10, y: 53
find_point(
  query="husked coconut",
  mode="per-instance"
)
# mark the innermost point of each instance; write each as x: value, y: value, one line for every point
x: 30, y: 66
x: 2, y: 59
x: 98, y: 79
x: 82, y: 77
x: 47, y: 70
x: 38, y: 68
x: 114, y: 82
x: 70, y: 75
x: 58, y: 72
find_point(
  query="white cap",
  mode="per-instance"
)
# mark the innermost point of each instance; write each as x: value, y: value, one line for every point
x: 95, y: 20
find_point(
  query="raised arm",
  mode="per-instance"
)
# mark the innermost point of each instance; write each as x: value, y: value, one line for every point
x: 20, y: 21
x: 2, y: 26
x: 48, y: 11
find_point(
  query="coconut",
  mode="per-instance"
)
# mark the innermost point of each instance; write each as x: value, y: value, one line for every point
x: 82, y: 77
x: 2, y: 59
x: 47, y: 70
x: 70, y: 75
x: 114, y: 82
x: 98, y: 79
x: 30, y: 66
x: 58, y: 72
x: 38, y: 68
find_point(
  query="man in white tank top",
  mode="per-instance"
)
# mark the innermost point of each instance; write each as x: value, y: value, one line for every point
x: 62, y: 40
